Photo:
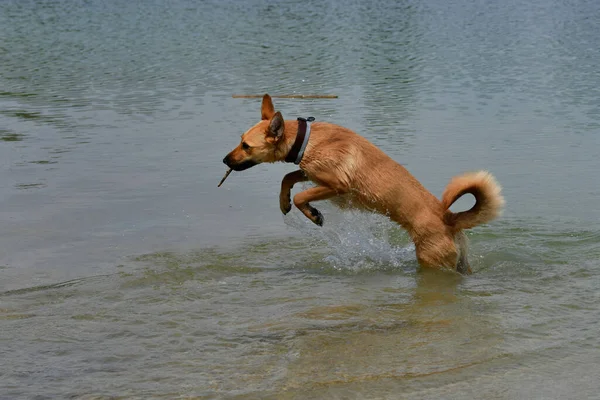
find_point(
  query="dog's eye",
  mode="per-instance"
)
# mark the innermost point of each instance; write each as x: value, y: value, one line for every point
x: 245, y: 146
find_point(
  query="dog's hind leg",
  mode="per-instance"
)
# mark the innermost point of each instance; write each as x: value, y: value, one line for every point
x: 437, y: 251
x: 287, y: 183
x: 313, y: 194
x: 462, y: 266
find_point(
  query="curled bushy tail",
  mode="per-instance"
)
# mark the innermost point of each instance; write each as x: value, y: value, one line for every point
x: 488, y: 200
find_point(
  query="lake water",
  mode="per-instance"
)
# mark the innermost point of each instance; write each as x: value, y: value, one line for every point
x: 126, y: 273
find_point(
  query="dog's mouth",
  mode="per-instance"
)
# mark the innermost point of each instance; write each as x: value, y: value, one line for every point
x: 239, y: 166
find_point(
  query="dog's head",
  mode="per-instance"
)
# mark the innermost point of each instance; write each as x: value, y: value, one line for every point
x: 259, y: 143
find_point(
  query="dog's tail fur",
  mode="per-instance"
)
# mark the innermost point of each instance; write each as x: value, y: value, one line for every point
x: 488, y: 200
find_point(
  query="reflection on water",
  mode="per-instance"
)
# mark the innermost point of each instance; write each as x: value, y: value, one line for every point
x: 9, y: 136
x: 125, y: 272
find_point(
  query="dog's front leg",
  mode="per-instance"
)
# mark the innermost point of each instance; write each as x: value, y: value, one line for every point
x: 286, y: 187
x: 313, y: 194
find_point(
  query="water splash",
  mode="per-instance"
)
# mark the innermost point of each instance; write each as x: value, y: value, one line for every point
x: 355, y: 240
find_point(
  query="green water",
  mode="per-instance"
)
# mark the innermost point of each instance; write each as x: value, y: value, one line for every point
x: 126, y: 273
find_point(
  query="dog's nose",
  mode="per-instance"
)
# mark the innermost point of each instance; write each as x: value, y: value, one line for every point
x: 225, y: 160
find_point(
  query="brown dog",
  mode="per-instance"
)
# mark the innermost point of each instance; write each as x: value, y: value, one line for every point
x: 352, y: 171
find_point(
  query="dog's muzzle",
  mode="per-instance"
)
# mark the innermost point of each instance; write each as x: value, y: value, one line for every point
x: 239, y: 166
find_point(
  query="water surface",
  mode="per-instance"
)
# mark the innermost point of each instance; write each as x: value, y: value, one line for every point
x: 125, y: 272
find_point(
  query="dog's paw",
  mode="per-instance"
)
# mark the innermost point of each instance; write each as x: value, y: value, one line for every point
x: 317, y: 217
x: 285, y: 204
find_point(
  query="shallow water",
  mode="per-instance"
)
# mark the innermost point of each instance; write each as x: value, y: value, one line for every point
x: 125, y: 272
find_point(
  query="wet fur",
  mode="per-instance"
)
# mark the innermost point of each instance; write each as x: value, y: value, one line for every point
x: 349, y: 169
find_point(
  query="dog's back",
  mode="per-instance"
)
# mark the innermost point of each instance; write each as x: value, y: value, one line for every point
x: 367, y: 174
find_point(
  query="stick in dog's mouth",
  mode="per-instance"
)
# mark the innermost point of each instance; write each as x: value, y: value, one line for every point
x: 225, y: 177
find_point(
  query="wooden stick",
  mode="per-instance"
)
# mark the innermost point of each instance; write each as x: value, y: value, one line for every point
x: 225, y: 177
x: 287, y: 96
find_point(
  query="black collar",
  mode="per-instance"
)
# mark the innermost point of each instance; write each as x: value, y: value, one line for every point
x: 297, y: 150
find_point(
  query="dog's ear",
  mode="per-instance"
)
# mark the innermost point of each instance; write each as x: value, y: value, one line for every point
x: 276, y: 127
x: 267, y: 110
